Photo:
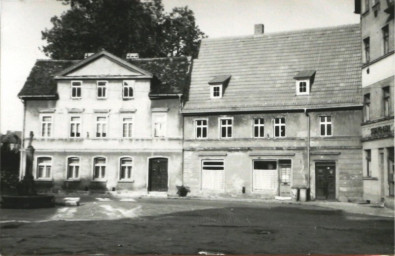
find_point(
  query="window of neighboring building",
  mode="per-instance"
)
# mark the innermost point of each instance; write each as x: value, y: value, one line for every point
x: 386, y: 100
x: 386, y: 36
x: 201, y: 129
x: 303, y: 87
x: 127, y: 89
x: 73, y: 168
x: 46, y: 126
x: 279, y: 127
x: 127, y: 125
x: 259, y: 128
x: 226, y: 127
x: 76, y: 89
x: 75, y: 127
x: 101, y: 89
x: 216, y: 91
x: 368, y: 155
x: 159, y: 124
x: 44, y: 166
x: 126, y: 168
x: 326, y: 125
x: 101, y: 127
x: 366, y: 45
x: 99, y: 168
x: 366, y: 107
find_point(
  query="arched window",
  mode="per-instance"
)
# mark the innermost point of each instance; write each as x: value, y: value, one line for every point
x: 44, y: 166
x: 99, y: 168
x: 126, y: 168
x: 73, y: 168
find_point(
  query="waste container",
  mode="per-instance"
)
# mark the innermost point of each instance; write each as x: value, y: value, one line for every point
x: 295, y: 194
x: 303, y: 194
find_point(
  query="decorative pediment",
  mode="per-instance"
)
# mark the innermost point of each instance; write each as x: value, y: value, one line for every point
x: 103, y: 64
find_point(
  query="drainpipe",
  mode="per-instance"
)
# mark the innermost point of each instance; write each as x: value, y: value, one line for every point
x: 22, y: 149
x: 182, y: 139
x: 308, y: 146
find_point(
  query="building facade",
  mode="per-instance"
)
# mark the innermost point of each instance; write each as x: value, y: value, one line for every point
x: 270, y: 112
x: 106, y: 123
x: 377, y: 26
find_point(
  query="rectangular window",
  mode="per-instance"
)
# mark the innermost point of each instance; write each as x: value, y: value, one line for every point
x: 386, y: 101
x: 226, y: 126
x: 216, y: 91
x: 101, y: 89
x: 368, y: 155
x: 159, y: 125
x: 44, y: 165
x: 259, y: 128
x: 366, y: 45
x: 101, y: 127
x: 127, y: 125
x: 127, y: 89
x: 126, y: 168
x: 46, y: 126
x: 326, y: 125
x: 76, y: 89
x: 279, y: 127
x: 73, y: 168
x: 386, y: 35
x: 75, y: 127
x: 99, y: 168
x: 201, y: 129
x: 366, y: 103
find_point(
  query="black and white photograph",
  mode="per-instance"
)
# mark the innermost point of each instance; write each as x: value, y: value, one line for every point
x: 197, y: 127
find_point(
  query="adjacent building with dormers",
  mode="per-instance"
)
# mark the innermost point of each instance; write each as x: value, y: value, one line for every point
x: 270, y: 112
x: 378, y: 72
x: 106, y: 123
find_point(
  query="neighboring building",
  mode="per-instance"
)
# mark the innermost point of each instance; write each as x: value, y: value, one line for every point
x: 378, y: 71
x: 106, y: 123
x: 269, y: 112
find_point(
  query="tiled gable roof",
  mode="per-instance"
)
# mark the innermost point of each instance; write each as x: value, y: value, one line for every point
x: 172, y: 76
x: 263, y: 69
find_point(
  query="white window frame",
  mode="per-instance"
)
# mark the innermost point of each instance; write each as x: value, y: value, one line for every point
x: 279, y: 125
x: 366, y: 107
x: 202, y: 126
x: 101, y: 178
x: 44, y: 165
x: 298, y: 84
x: 101, y: 87
x: 72, y: 86
x: 129, y: 132
x: 46, y: 126
x: 75, y: 123
x: 259, y: 125
x: 128, y: 165
x: 127, y: 84
x: 154, y: 117
x: 226, y: 125
x: 74, y: 177
x: 326, y: 123
x: 386, y: 101
x: 101, y: 126
x: 212, y: 91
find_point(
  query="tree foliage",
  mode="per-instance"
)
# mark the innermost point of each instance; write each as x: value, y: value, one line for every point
x: 122, y: 26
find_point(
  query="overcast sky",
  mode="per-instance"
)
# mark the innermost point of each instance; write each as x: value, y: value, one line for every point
x: 23, y: 20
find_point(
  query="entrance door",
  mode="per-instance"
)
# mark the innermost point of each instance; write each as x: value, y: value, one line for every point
x: 265, y: 176
x: 325, y: 180
x: 157, y: 178
x: 284, y: 169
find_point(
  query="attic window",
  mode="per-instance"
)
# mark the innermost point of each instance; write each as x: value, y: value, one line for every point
x: 217, y: 86
x: 216, y: 91
x: 304, y: 80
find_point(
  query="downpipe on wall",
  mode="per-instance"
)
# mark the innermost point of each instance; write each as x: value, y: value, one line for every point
x: 308, y: 150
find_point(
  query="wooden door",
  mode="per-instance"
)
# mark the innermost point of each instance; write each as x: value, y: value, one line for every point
x: 158, y: 177
x: 325, y: 181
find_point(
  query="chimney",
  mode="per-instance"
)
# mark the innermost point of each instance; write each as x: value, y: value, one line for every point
x: 132, y: 55
x: 259, y: 29
x: 88, y: 54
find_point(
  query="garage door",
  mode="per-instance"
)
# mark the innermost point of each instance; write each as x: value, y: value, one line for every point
x: 212, y: 175
x: 265, y: 176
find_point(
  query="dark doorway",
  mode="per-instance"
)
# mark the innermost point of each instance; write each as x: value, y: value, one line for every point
x: 325, y: 180
x: 157, y: 178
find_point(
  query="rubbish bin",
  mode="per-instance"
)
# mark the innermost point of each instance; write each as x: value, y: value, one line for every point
x: 303, y: 194
x: 295, y: 194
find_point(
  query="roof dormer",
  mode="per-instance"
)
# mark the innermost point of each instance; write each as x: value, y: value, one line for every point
x: 304, y: 80
x: 217, y: 86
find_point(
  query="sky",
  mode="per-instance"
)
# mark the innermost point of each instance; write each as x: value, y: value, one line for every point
x: 23, y: 20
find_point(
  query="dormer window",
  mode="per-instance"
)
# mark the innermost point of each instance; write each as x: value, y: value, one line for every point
x: 217, y: 86
x: 304, y: 80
